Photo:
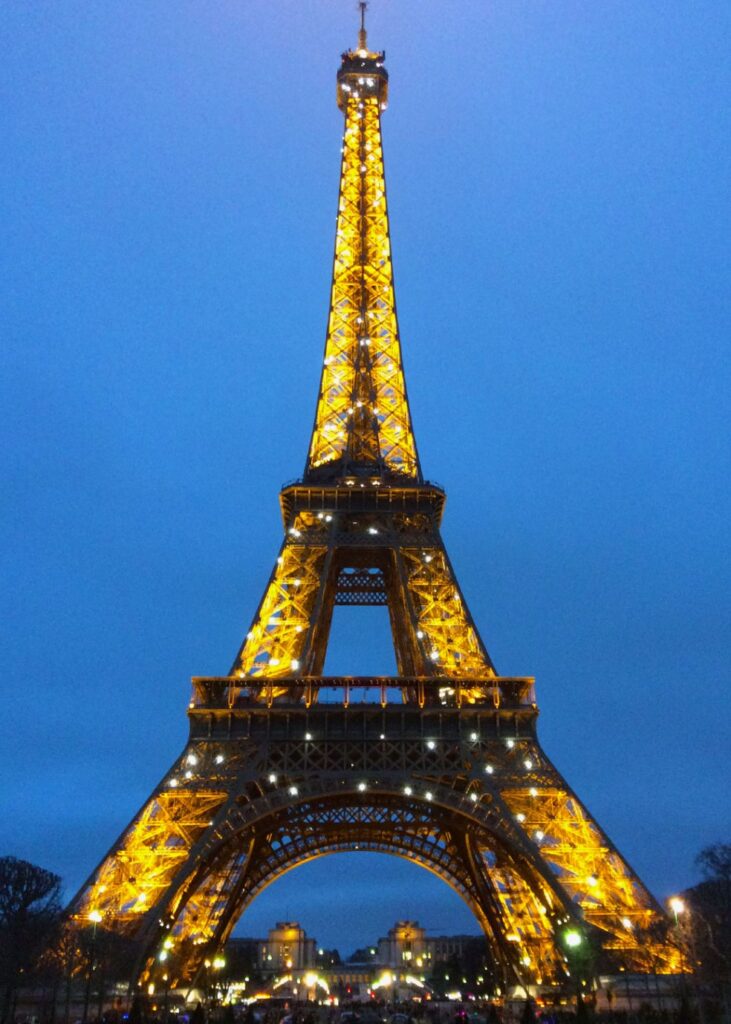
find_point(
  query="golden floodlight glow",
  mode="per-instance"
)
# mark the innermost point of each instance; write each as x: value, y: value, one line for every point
x: 362, y: 413
x: 363, y: 527
x: 311, y: 980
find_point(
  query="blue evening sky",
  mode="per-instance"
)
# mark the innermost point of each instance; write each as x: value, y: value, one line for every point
x: 558, y: 182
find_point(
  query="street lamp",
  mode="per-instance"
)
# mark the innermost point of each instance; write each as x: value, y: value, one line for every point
x: 677, y: 905
x: 218, y: 963
x: 574, y: 940
x: 95, y: 917
x: 684, y: 937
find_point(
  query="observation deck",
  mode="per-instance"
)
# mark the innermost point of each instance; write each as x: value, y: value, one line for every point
x: 354, y: 495
x: 360, y: 706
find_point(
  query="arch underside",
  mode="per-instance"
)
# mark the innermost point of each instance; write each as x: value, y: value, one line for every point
x: 528, y: 860
x: 514, y: 905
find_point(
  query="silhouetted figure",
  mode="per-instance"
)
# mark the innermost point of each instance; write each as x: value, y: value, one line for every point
x: 136, y: 1016
x: 528, y: 1015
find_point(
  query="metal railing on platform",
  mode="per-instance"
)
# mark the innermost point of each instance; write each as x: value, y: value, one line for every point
x: 221, y: 692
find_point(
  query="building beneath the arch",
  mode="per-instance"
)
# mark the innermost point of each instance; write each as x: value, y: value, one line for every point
x: 287, y: 947
x: 406, y: 955
x: 407, y: 945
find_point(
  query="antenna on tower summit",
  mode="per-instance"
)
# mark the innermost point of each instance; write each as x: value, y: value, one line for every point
x: 362, y: 45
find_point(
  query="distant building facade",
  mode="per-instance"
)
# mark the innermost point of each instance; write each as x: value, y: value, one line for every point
x: 408, y: 946
x: 287, y: 948
x: 289, y: 963
x: 406, y: 949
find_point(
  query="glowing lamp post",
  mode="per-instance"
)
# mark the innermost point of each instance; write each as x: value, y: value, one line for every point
x: 95, y: 917
x: 575, y: 945
x: 218, y: 963
x: 679, y: 908
x: 677, y: 905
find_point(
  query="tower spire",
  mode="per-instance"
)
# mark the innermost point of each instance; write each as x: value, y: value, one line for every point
x: 362, y: 423
x: 362, y: 37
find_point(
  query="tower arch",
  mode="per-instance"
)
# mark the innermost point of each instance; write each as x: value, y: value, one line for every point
x: 472, y: 852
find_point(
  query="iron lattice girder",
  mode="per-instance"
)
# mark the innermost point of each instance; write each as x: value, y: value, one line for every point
x: 363, y: 417
x: 295, y: 767
x: 430, y: 838
x: 432, y: 628
x: 198, y: 905
x: 361, y: 587
x: 452, y: 777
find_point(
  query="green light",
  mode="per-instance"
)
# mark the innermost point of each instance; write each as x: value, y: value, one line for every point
x: 572, y: 939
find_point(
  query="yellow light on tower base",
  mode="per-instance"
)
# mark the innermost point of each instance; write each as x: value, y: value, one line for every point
x: 95, y: 916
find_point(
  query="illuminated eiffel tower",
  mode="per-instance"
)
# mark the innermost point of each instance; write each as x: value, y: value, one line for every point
x: 439, y: 764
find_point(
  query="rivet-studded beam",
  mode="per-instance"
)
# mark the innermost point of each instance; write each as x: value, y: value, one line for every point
x: 448, y: 788
x: 362, y: 420
x: 440, y: 763
x: 432, y: 629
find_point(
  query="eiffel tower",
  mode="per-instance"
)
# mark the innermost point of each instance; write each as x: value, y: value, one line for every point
x: 440, y: 764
